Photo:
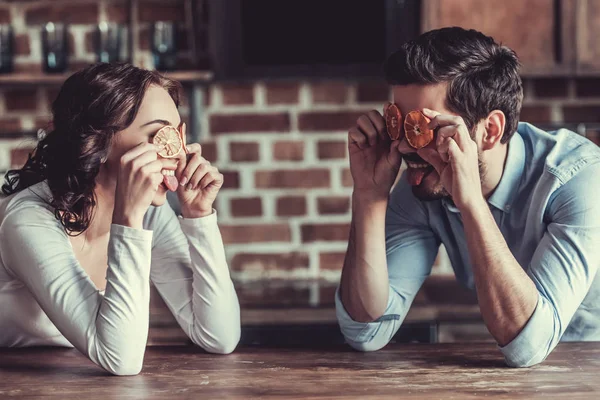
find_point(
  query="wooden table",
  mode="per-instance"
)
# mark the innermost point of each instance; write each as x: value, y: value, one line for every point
x: 442, y: 371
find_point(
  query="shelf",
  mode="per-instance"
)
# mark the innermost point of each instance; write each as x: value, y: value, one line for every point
x: 28, y: 78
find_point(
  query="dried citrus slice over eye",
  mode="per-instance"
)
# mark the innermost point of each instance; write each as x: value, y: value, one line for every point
x: 168, y: 141
x: 393, y: 121
x: 416, y: 129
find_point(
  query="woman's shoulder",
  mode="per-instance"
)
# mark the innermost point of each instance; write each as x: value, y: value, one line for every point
x: 32, y: 202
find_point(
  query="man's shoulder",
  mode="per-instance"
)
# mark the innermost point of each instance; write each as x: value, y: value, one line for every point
x: 561, y: 153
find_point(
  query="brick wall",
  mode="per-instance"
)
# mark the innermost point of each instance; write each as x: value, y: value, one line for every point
x: 285, y: 209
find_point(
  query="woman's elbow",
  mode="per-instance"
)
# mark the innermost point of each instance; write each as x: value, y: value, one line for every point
x: 124, y: 368
x: 222, y: 345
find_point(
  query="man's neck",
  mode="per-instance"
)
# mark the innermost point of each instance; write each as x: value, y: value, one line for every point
x: 494, y: 171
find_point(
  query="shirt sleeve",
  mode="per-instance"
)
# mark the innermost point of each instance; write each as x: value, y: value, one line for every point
x: 111, y: 330
x: 411, y: 248
x: 563, y: 268
x: 190, y: 271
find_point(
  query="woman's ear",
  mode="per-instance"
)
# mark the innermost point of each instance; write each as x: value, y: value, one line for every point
x: 494, y: 129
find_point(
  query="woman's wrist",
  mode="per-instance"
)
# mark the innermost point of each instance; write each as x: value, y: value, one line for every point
x: 195, y: 213
x: 126, y: 219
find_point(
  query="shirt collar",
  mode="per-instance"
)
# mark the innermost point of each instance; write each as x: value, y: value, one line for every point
x: 508, y: 186
x: 507, y: 189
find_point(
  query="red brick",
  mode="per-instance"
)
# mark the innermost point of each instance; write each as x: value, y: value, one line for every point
x: 150, y: 11
x: 24, y: 99
x: 291, y: 206
x: 269, y: 262
x: 232, y: 179
x: 594, y: 136
x: 238, y: 94
x: 347, y: 180
x: 290, y: 179
x: 282, y: 93
x: 258, y: 233
x: 587, y: 87
x: 44, y: 123
x: 144, y: 38
x: 71, y: 44
x: 288, y: 151
x: 209, y: 151
x: 52, y: 94
x: 372, y: 92
x: 244, y: 151
x: 246, y: 207
x: 5, y: 16
x: 117, y: 12
x: 22, y: 44
x: 27, y: 68
x: 89, y: 42
x: 550, y: 88
x: 72, y: 13
x: 330, y: 92
x: 18, y: 157
x: 328, y: 150
x: 9, y: 126
x: 535, y: 114
x: 333, y: 205
x: 244, y: 123
x: 331, y: 261
x: 324, y: 232
x: 576, y: 114
x: 328, y: 121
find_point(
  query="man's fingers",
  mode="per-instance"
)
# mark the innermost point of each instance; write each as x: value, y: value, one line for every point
x: 355, y: 136
x: 366, y: 125
x: 379, y: 124
x: 433, y: 158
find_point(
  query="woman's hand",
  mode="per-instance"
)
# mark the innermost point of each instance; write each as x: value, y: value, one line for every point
x: 199, y: 182
x: 137, y: 182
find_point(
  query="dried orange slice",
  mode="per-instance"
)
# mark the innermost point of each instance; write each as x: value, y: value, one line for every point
x: 169, y: 142
x: 416, y: 129
x: 393, y: 121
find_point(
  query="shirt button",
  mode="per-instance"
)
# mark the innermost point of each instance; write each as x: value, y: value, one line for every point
x: 507, y: 208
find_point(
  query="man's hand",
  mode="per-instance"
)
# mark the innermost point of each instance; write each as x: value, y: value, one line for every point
x: 455, y: 158
x: 374, y: 157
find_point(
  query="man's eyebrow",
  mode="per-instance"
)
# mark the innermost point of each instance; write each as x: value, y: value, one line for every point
x: 157, y: 121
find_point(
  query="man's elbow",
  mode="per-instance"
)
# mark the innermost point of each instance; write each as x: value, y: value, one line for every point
x: 366, y: 346
x: 519, y: 361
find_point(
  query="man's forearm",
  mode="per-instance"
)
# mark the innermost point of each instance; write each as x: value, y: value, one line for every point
x: 507, y: 296
x: 364, y: 285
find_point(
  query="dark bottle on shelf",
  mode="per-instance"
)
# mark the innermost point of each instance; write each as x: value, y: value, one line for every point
x: 164, y: 45
x: 54, y: 47
x: 6, y: 49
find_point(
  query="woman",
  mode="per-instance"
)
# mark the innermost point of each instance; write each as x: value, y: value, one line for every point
x: 85, y: 227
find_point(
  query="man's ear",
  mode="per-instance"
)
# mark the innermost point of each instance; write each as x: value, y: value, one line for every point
x: 494, y: 129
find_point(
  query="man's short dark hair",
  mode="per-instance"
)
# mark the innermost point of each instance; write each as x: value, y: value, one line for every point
x: 482, y: 75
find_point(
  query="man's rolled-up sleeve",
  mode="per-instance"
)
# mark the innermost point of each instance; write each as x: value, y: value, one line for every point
x: 563, y: 268
x: 411, y: 248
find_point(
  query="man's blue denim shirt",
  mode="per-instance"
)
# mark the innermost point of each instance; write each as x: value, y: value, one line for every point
x: 547, y: 206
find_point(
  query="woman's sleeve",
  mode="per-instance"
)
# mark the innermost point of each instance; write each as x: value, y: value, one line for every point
x: 190, y: 272
x: 112, y: 329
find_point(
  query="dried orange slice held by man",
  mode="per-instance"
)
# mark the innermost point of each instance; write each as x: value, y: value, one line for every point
x: 416, y: 129
x: 393, y: 121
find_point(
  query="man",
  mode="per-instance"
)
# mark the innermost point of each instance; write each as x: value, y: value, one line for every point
x: 514, y: 206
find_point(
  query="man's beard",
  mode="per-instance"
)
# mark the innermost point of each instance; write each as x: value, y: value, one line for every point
x: 437, y: 191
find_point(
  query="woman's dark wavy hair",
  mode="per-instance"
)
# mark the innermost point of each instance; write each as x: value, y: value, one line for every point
x: 482, y: 75
x: 91, y: 107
